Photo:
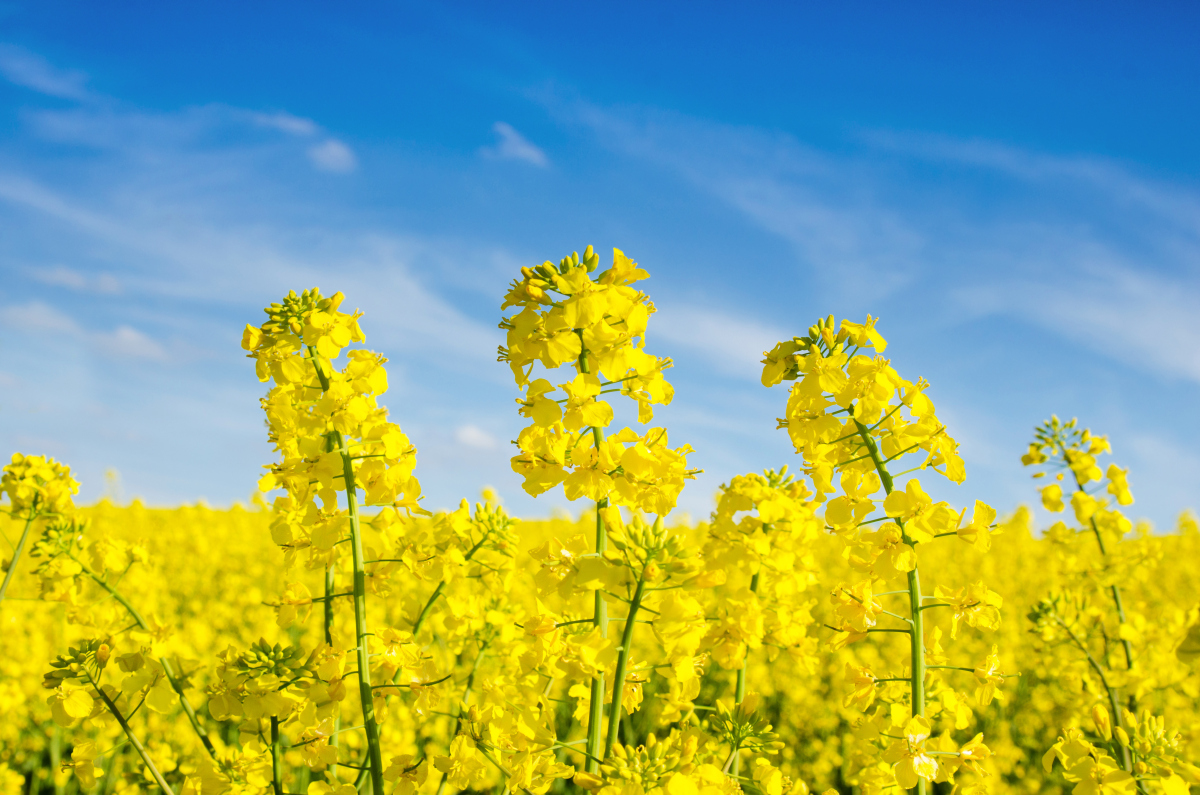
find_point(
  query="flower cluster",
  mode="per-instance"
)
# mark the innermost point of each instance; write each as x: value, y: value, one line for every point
x: 1105, y: 641
x: 850, y: 415
x: 597, y: 326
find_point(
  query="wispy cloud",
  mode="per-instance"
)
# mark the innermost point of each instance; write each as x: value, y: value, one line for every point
x: 514, y: 146
x: 108, y: 125
x: 873, y: 229
x: 36, y: 316
x: 729, y: 344
x: 286, y: 122
x: 124, y: 342
x: 128, y: 342
x: 475, y: 437
x: 30, y: 70
x: 826, y: 208
x: 62, y: 276
x: 333, y: 156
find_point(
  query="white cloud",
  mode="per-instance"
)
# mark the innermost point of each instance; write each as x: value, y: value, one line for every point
x: 62, y: 276
x: 32, y: 71
x: 127, y: 342
x: 37, y: 317
x: 1142, y: 319
x: 286, y: 122
x: 731, y: 345
x: 333, y: 156
x: 824, y: 207
x: 1086, y: 249
x: 514, y: 146
x: 475, y: 437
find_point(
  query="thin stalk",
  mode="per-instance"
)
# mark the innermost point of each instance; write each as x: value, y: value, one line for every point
x: 600, y: 608
x: 12, y: 567
x: 465, y: 698
x: 361, y: 634
x: 133, y: 740
x: 729, y: 762
x: 1114, y: 698
x: 1113, y: 693
x: 1114, y: 589
x: 441, y: 586
x: 168, y: 671
x: 56, y: 758
x: 614, y: 711
x: 112, y: 774
x: 739, y: 692
x: 330, y: 583
x: 276, y: 758
x: 917, y: 636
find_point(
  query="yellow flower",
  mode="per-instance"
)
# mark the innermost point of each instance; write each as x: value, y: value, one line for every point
x: 1101, y: 777
x: 464, y: 767
x: 1052, y: 498
x: 908, y: 756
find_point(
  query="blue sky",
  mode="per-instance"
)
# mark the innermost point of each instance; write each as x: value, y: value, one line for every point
x: 1014, y: 189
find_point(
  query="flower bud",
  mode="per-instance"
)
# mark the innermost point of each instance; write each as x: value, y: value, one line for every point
x: 1102, y: 721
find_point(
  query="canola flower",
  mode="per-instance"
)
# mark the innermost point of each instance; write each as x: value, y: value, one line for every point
x: 852, y: 416
x: 36, y: 487
x: 343, y: 639
x: 596, y: 326
x: 1087, y: 617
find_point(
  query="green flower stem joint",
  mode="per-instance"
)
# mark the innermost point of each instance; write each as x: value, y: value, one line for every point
x: 916, y: 622
x: 361, y: 634
x: 599, y: 613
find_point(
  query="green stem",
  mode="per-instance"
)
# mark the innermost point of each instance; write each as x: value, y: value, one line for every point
x: 441, y: 586
x: 330, y: 582
x: 1113, y: 693
x: 330, y: 589
x: 361, y: 634
x: 133, y: 740
x: 917, y: 636
x: 739, y: 692
x: 1114, y: 589
x: 1114, y: 698
x: 56, y: 758
x: 168, y: 671
x: 614, y: 711
x: 600, y: 608
x: 112, y: 773
x: 458, y: 721
x: 12, y: 567
x: 276, y: 758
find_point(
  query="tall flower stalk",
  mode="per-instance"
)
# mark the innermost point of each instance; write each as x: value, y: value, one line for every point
x: 595, y: 325
x: 333, y: 438
x: 851, y: 416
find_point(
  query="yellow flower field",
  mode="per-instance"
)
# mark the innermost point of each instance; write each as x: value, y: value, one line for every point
x: 829, y: 627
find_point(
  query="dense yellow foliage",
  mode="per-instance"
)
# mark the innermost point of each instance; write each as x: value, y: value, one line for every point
x: 344, y: 639
x: 210, y: 572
